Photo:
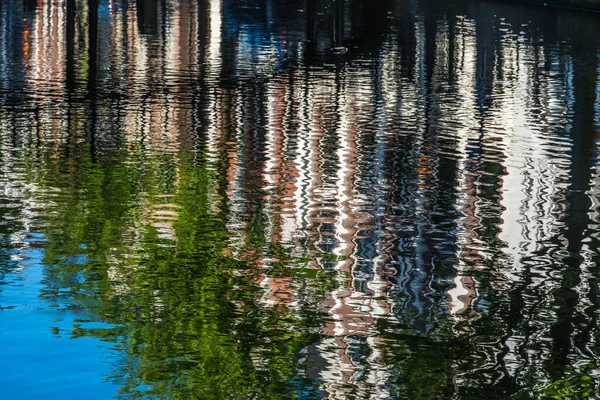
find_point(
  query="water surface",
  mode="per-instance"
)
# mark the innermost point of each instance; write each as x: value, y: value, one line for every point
x: 199, y: 200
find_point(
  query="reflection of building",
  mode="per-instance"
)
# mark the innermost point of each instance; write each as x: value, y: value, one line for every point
x: 426, y: 174
x: 14, y: 49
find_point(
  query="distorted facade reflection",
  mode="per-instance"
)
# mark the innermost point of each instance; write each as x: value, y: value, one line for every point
x: 250, y: 214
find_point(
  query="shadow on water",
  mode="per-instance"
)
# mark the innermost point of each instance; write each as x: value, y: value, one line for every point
x: 214, y: 205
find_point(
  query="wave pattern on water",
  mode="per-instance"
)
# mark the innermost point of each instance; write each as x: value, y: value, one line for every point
x: 215, y: 206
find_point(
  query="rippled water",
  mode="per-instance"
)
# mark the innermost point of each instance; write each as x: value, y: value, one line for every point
x: 199, y: 200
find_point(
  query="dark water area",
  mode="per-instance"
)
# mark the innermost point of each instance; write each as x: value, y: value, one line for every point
x: 199, y: 200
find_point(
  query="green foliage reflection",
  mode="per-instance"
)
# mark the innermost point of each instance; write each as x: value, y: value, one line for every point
x: 187, y: 315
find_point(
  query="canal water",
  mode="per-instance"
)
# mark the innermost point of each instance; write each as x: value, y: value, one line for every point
x: 199, y: 200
